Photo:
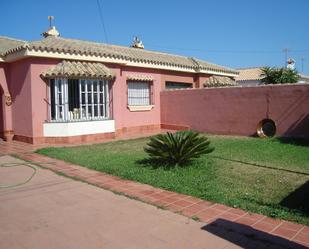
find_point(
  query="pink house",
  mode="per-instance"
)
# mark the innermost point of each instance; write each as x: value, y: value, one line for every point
x: 62, y: 90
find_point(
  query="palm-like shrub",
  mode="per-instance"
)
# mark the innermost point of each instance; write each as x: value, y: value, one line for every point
x: 272, y: 75
x: 178, y: 148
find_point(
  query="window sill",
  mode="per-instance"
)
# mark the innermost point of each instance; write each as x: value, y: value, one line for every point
x: 140, y: 108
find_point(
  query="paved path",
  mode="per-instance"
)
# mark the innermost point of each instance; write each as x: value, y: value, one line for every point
x: 55, y: 212
x: 69, y: 214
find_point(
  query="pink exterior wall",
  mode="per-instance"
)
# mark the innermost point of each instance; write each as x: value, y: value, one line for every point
x: 30, y: 96
x: 195, y: 79
x: 123, y: 116
x: 20, y: 89
x: 120, y: 113
x: 177, y: 77
x: 28, y: 91
x: 238, y: 110
x: 5, y: 111
x: 39, y: 94
x: 221, y: 111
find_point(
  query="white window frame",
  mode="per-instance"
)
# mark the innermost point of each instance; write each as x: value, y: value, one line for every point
x: 137, y: 95
x: 144, y: 97
x: 62, y: 96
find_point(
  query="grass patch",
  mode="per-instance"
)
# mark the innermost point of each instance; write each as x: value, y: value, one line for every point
x: 258, y: 175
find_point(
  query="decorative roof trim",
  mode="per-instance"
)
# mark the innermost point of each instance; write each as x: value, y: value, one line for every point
x: 26, y: 51
x: 139, y: 77
x: 77, y: 69
x: 219, y: 81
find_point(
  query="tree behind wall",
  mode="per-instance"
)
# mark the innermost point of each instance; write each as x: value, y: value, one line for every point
x: 272, y: 75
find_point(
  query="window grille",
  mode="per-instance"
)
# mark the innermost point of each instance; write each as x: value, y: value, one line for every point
x: 139, y: 93
x: 79, y: 99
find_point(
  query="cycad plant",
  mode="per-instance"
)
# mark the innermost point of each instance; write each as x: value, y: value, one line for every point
x: 178, y: 148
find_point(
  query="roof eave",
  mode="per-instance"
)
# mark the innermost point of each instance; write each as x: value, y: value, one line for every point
x: 27, y: 52
x: 16, y: 55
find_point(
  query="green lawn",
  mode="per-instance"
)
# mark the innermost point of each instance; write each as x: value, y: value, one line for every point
x: 268, y: 176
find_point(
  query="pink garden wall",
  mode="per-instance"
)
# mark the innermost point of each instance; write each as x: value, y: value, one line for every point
x: 238, y: 110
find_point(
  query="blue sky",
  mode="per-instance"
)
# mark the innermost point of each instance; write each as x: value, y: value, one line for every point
x: 234, y: 33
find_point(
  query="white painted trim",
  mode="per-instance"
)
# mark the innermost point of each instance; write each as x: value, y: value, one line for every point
x: 78, y: 128
x: 60, y: 55
x: 139, y: 108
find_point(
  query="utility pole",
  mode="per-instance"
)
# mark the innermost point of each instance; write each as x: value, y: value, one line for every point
x: 286, y: 50
x: 302, y: 64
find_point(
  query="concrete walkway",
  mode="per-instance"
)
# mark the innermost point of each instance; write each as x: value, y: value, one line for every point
x: 55, y: 212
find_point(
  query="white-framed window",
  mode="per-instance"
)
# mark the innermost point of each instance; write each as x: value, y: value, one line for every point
x: 78, y: 99
x: 139, y: 93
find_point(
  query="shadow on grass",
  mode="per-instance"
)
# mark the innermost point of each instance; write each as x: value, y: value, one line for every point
x: 247, y: 237
x: 259, y: 165
x: 294, y: 141
x: 298, y: 199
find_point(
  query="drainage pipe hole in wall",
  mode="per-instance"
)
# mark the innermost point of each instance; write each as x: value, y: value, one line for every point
x: 266, y: 128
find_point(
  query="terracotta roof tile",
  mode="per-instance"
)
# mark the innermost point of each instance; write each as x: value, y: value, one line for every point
x: 7, y: 44
x: 140, y: 77
x: 249, y: 74
x: 79, y: 70
x: 217, y: 81
x: 79, y: 47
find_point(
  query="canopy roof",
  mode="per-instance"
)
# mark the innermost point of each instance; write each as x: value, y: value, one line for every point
x: 139, y: 77
x: 76, y: 69
x: 215, y: 81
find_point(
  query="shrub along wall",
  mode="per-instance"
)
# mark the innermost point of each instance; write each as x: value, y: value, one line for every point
x: 239, y: 110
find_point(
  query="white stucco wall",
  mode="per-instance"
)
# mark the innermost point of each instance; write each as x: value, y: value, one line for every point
x: 78, y: 128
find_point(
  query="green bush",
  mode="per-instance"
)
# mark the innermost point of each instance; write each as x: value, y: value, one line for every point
x: 273, y: 75
x: 178, y: 148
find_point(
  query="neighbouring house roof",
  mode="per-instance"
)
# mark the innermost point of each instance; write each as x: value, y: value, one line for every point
x: 140, y: 77
x: 249, y: 74
x: 7, y: 44
x: 76, y: 69
x: 304, y: 77
x: 217, y: 81
x: 255, y: 73
x: 58, y: 47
